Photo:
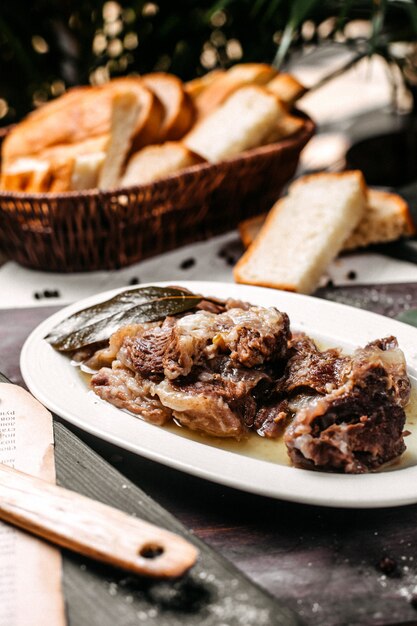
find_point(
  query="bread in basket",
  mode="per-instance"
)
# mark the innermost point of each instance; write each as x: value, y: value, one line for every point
x: 183, y: 190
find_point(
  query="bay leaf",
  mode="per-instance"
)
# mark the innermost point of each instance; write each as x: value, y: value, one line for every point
x: 134, y: 306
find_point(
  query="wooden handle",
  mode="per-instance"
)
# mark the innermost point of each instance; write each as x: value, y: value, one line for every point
x: 91, y: 528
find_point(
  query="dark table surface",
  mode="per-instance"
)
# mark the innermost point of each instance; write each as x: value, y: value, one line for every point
x: 331, y: 566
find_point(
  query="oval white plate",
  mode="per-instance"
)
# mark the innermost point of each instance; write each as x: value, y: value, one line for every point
x: 59, y: 386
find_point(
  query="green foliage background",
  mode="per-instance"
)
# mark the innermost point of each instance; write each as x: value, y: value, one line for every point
x: 47, y: 46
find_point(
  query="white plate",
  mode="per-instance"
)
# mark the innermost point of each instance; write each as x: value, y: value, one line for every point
x: 59, y: 386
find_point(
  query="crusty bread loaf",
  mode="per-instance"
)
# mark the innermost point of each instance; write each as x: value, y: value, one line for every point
x: 157, y: 161
x: 240, y: 123
x: 178, y: 107
x: 225, y: 84
x: 304, y: 232
x: 63, y: 121
x: 387, y: 217
x: 79, y: 115
x: 43, y: 127
x: 287, y: 88
x: 196, y: 86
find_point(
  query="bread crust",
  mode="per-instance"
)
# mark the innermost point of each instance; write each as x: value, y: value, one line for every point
x: 287, y: 88
x: 379, y: 227
x: 137, y: 170
x: 223, y: 86
x: 81, y: 114
x: 250, y: 227
x: 255, y: 245
x: 285, y: 127
x: 150, y: 118
x: 61, y: 174
x: 403, y: 207
x: 30, y: 175
x: 331, y: 176
x: 196, y: 86
x: 178, y: 108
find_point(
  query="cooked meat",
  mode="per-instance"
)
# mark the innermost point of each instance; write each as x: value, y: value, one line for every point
x: 229, y: 368
x: 250, y: 337
x: 271, y: 419
x: 145, y: 352
x: 191, y: 343
x: 215, y: 399
x: 127, y: 390
x: 105, y: 356
x: 255, y: 336
x: 205, y: 412
x: 357, y: 426
x: 310, y: 368
x: 308, y: 372
x: 386, y: 356
x: 199, y: 365
x: 231, y: 303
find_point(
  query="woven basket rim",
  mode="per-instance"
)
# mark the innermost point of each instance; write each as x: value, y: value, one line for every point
x: 300, y: 137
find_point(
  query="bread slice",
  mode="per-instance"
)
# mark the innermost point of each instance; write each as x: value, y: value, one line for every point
x: 126, y: 110
x: 196, y: 86
x: 54, y: 168
x: 286, y: 126
x: 287, y: 88
x: 225, y: 84
x: 249, y: 229
x: 155, y: 162
x: 61, y: 173
x: 67, y: 163
x: 151, y: 112
x: 239, y: 124
x: 178, y: 107
x: 304, y: 232
x: 86, y: 171
x: 387, y: 217
x: 79, y: 115
x: 26, y: 174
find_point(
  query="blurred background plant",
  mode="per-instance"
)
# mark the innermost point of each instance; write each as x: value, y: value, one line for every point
x: 47, y: 46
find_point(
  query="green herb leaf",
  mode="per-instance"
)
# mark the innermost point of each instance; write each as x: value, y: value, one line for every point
x: 134, y: 306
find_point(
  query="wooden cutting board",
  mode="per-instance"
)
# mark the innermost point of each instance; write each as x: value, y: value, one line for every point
x: 214, y: 592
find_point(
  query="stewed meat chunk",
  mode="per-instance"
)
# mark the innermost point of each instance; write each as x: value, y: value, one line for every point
x: 248, y: 337
x: 127, y: 390
x: 203, y: 369
x: 358, y: 425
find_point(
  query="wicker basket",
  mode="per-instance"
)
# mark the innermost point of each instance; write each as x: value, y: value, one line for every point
x: 96, y: 230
